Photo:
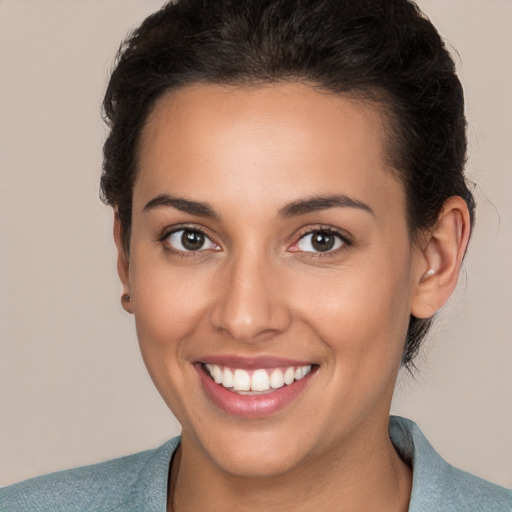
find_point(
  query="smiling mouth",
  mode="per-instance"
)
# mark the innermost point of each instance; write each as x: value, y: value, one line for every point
x: 255, y: 382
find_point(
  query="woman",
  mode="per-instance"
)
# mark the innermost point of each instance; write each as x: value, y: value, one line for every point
x: 290, y: 212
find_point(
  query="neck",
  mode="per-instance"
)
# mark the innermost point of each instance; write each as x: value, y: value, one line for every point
x: 364, y: 474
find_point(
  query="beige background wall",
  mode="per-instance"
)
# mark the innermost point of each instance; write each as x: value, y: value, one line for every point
x: 73, y: 386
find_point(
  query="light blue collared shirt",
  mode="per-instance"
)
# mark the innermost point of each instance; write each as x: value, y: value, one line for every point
x: 138, y: 483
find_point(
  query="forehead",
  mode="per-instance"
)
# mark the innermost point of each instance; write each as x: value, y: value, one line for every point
x: 263, y: 142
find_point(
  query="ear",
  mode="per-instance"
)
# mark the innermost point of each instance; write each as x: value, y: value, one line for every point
x: 122, y: 263
x: 441, y: 254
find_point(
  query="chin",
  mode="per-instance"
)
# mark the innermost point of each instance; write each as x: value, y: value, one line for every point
x: 263, y: 461
x: 255, y: 452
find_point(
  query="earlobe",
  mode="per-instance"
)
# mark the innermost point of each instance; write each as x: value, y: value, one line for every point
x: 441, y: 257
x: 122, y: 264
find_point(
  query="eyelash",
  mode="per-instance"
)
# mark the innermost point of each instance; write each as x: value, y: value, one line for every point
x: 344, y: 238
x: 326, y: 230
x: 184, y: 253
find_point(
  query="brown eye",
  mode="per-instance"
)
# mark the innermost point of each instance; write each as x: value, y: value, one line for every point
x: 190, y: 240
x: 320, y: 240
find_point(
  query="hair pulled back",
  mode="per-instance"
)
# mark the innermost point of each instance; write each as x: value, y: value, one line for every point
x: 384, y: 51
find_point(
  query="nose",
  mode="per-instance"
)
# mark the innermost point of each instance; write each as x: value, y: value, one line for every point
x: 250, y: 305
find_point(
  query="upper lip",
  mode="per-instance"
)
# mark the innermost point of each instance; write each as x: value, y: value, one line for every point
x: 252, y: 363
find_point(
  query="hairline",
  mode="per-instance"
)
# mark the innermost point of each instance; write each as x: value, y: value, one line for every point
x: 375, y: 97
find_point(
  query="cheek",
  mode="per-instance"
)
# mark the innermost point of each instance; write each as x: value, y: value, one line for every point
x: 364, y: 330
x: 362, y: 314
x: 168, y: 305
x: 167, y: 311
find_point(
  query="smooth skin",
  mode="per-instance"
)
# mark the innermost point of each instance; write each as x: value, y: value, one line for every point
x: 256, y: 285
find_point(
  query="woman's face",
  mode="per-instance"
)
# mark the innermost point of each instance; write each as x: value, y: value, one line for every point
x: 270, y: 252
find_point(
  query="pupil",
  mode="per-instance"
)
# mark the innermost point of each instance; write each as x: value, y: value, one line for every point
x: 322, y: 241
x: 192, y: 240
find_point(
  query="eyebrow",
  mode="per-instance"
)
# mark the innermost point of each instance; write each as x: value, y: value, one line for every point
x: 319, y: 203
x: 293, y: 209
x: 184, y: 205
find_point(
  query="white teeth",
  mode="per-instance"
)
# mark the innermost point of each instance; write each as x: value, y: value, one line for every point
x: 261, y: 380
x: 241, y: 380
x: 277, y: 379
x: 305, y: 370
x: 217, y: 374
x: 227, y: 378
x: 289, y: 376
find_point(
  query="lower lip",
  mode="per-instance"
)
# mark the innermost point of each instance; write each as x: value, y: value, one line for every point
x: 251, y: 406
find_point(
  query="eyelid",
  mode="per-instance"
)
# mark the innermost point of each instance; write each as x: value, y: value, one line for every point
x: 346, y: 239
x: 168, y: 231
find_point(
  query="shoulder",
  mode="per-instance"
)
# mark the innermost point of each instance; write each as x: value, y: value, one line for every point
x: 437, y: 485
x: 118, y: 484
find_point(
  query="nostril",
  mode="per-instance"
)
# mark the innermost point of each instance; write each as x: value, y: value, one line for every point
x: 249, y: 306
x: 250, y: 322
